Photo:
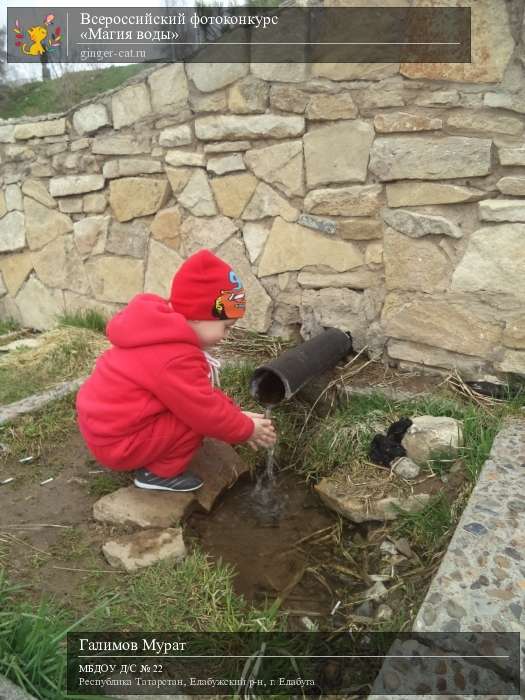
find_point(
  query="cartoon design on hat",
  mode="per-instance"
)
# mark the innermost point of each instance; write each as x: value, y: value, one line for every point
x: 231, y: 303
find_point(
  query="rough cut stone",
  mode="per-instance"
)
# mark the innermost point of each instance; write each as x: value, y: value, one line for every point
x: 178, y: 158
x: 140, y: 549
x: 169, y: 88
x: 288, y: 98
x: 58, y: 264
x: 165, y: 227
x: 421, y: 158
x: 514, y: 334
x: 90, y: 234
x: 317, y: 223
x: 504, y: 100
x: 338, y: 153
x: 467, y: 120
x: 7, y: 133
x: 131, y: 166
x: 267, y: 202
x: 359, y: 229
x: 513, y: 361
x: 15, y: 269
x: 53, y: 127
x: 120, y: 145
x: 469, y: 366
x: 417, y: 225
x: 440, y: 98
x: 163, y: 263
x: 127, y: 239
x: 176, y: 136
x: 255, y: 236
x: 493, y: 262
x: 406, y: 194
x: 115, y: 279
x: 340, y: 106
x: 197, y: 195
x: 502, y: 210
x: 130, y: 105
x: 292, y: 247
x: 284, y: 72
x: 90, y: 118
x: 511, y: 156
x: 225, y: 164
x: 133, y: 506
x: 12, y: 232
x: 512, y: 185
x: 430, y: 435
x: 344, y: 201
x: 418, y: 265
x: 258, y: 314
x: 374, y: 253
x: 226, y: 146
x: 492, y: 47
x: 178, y: 178
x: 251, y: 126
x: 443, y: 322
x: 208, y: 77
x: 131, y: 197
x: 212, y: 233
x: 280, y: 165
x: 13, y: 197
x: 37, y: 190
x: 75, y: 184
x: 360, y: 510
x: 70, y: 205
x: 403, y: 121
x: 94, y: 203
x: 43, y: 224
x: 209, y: 101
x: 355, y: 71
x: 38, y: 305
x: 232, y: 192
x: 354, y: 279
x: 247, y: 96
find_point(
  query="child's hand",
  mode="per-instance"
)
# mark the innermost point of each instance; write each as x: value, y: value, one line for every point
x: 264, y: 434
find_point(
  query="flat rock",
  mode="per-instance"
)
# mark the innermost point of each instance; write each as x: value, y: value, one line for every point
x: 22, y: 343
x: 133, y: 506
x: 355, y: 509
x: 430, y: 435
x: 144, y: 548
x: 217, y: 463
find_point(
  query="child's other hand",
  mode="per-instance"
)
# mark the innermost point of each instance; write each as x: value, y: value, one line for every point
x: 264, y: 434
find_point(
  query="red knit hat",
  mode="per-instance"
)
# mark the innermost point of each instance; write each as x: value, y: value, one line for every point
x: 205, y: 288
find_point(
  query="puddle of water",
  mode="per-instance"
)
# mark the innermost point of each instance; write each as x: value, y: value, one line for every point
x: 255, y: 528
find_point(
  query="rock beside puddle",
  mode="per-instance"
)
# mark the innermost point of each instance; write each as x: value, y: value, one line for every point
x: 429, y: 435
x: 341, y: 500
x: 133, y: 506
x: 144, y: 548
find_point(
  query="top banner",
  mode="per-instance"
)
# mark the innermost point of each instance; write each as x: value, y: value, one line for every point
x: 239, y: 34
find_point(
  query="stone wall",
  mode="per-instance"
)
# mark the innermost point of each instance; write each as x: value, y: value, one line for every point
x: 385, y: 199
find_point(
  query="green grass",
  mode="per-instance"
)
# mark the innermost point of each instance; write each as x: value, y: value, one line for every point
x: 67, y: 355
x: 32, y: 651
x: 427, y: 527
x: 89, y: 318
x: 7, y: 325
x: 43, y: 97
x: 102, y: 484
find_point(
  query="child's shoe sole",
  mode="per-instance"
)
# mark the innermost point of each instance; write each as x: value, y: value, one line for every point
x: 181, y: 483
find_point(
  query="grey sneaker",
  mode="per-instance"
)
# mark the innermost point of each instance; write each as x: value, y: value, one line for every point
x: 187, y: 481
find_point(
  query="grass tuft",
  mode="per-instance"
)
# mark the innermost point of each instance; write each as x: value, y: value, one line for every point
x: 88, y: 318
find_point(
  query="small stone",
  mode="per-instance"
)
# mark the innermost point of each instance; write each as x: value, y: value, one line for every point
x: 225, y: 164
x: 406, y: 468
x: 133, y: 552
x: 178, y: 158
x: 176, y: 136
x: 476, y: 528
x: 317, y: 223
x: 384, y: 612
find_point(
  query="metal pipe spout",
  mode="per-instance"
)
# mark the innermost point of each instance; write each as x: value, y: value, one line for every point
x: 281, y: 378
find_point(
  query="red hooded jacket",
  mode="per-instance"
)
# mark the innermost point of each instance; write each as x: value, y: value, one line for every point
x: 156, y: 365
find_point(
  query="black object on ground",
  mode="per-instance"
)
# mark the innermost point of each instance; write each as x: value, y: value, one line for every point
x: 385, y: 448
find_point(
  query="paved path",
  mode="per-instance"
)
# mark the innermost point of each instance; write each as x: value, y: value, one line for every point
x: 480, y: 585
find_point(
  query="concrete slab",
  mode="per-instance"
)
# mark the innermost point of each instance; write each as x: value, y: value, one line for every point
x: 480, y: 584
